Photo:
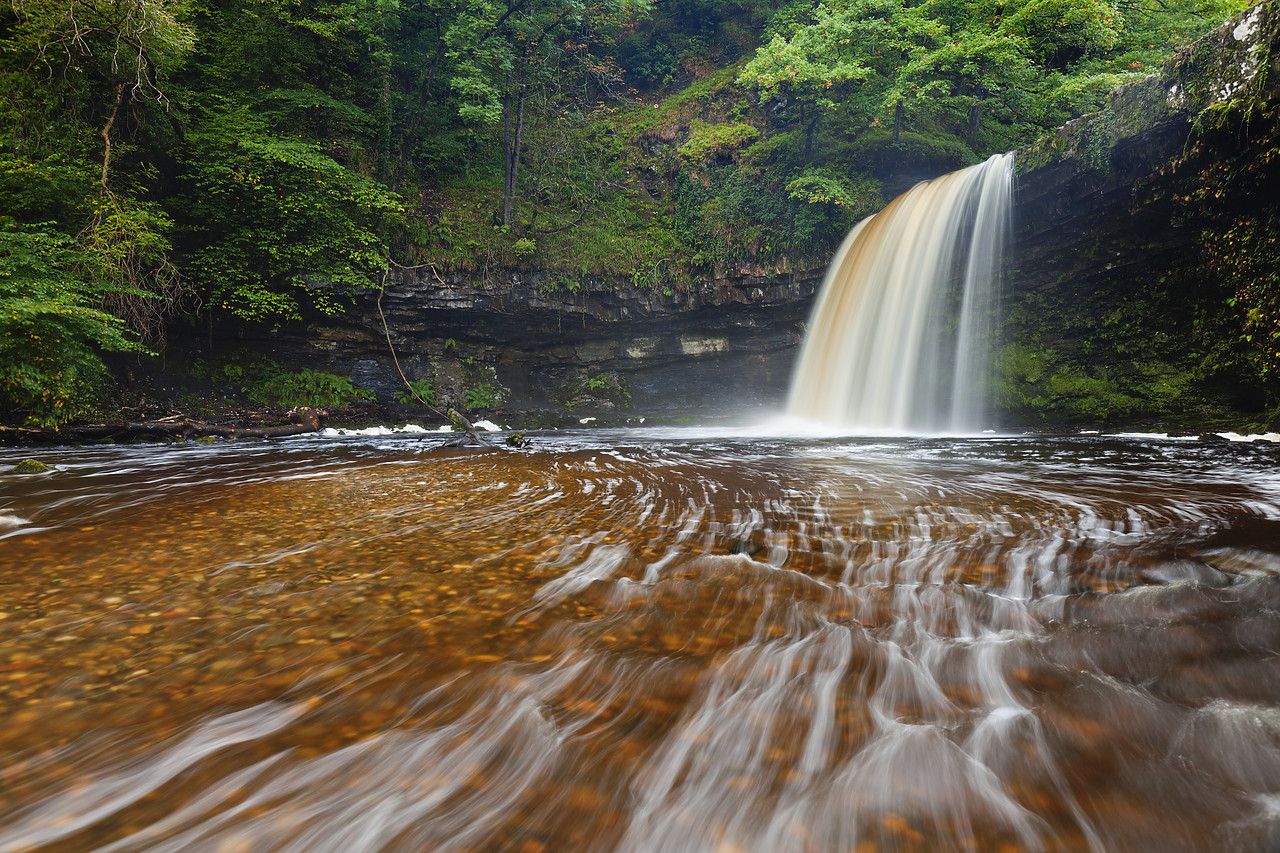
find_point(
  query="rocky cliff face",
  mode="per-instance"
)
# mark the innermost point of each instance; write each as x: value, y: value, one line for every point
x: 1113, y: 293
x: 603, y: 351
x: 1086, y: 204
x: 1096, y: 226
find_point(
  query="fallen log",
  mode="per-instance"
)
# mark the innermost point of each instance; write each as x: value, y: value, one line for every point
x: 303, y: 421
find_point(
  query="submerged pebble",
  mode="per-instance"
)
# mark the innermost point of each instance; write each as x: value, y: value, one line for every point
x: 639, y: 641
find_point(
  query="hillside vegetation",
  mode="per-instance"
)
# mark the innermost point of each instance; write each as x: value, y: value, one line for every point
x: 230, y: 161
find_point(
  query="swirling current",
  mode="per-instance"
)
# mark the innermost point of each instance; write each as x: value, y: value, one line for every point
x: 642, y: 641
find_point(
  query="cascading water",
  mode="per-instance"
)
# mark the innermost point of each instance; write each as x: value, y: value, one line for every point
x: 899, y: 339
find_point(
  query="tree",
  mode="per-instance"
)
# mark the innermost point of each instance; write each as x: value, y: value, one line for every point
x: 278, y: 226
x: 848, y: 58
x: 279, y: 206
x: 501, y: 52
x: 84, y: 256
x: 50, y: 331
x: 946, y: 65
x: 87, y: 63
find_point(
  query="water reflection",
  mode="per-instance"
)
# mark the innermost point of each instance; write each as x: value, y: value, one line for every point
x: 643, y: 641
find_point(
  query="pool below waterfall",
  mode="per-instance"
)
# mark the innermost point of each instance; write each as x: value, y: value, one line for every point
x: 649, y: 640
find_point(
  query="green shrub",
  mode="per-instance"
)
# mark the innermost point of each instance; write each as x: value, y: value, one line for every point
x: 610, y: 387
x: 486, y: 395
x: 710, y: 141
x: 50, y: 333
x: 858, y: 194
x: 306, y: 388
x: 419, y: 392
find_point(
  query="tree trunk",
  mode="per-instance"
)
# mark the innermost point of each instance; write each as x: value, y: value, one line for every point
x: 384, y: 132
x: 471, y: 437
x: 897, y: 120
x: 809, y: 131
x: 513, y: 103
x: 106, y: 141
x: 422, y: 98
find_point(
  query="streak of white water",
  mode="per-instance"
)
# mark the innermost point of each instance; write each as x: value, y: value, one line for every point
x: 892, y: 347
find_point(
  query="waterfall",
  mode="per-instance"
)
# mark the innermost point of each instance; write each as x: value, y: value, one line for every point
x: 901, y: 335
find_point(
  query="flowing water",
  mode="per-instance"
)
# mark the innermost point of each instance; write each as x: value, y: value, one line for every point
x: 642, y: 641
x: 901, y: 333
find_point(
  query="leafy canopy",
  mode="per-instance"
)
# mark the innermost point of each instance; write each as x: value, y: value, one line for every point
x: 50, y: 333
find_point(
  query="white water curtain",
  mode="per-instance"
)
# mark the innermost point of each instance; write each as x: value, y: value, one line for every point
x: 901, y: 334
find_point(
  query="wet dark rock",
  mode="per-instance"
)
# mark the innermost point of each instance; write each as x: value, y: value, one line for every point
x: 609, y: 348
x: 1103, y: 231
x: 751, y: 546
x: 1184, y: 571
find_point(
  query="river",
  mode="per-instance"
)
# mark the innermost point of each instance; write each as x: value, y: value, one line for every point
x: 648, y: 640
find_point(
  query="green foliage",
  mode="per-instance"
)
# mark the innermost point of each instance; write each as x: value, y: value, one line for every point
x: 277, y: 226
x: 43, y: 188
x: 486, y: 395
x: 129, y: 240
x: 306, y: 388
x: 262, y: 380
x: 85, y: 84
x: 1037, y: 385
x: 419, y: 393
x: 727, y: 215
x: 858, y: 194
x: 610, y: 387
x: 989, y: 72
x: 481, y: 388
x: 140, y: 40
x: 831, y: 60
x: 709, y: 142
x: 50, y: 333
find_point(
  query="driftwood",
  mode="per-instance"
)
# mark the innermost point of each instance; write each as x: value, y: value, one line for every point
x: 470, y: 438
x: 304, y: 421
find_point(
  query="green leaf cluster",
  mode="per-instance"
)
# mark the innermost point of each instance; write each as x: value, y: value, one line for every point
x: 485, y: 395
x: 311, y: 388
x: 708, y: 142
x: 420, y: 392
x: 51, y: 335
x: 276, y: 226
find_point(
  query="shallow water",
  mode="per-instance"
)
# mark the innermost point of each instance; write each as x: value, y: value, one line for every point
x: 642, y: 641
